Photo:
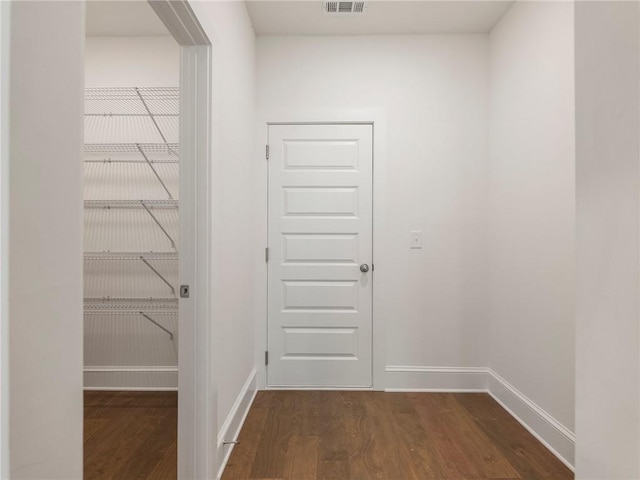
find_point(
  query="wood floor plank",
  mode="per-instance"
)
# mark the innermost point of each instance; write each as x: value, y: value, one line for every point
x: 425, y: 456
x: 167, y: 467
x: 125, y: 439
x: 524, y: 451
x: 487, y: 458
x: 244, y: 453
x: 151, y: 452
x: 333, y: 455
x: 280, y: 424
x: 302, y: 459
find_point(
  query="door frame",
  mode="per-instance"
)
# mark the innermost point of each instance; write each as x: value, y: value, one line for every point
x: 377, y: 119
x: 197, y: 393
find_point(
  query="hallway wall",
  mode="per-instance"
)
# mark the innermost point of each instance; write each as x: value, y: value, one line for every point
x: 237, y: 249
x: 45, y: 235
x: 531, y: 212
x: 432, y: 90
x: 608, y: 240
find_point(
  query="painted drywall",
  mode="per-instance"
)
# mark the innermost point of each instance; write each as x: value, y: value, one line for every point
x: 127, y: 61
x: 233, y: 188
x: 433, y: 93
x: 45, y: 235
x: 531, y: 205
x: 608, y: 218
x: 5, y: 13
x: 117, y: 344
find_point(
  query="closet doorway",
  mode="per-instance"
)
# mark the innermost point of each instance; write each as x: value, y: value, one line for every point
x: 143, y: 300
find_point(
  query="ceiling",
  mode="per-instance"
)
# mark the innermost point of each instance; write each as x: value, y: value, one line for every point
x: 306, y: 17
x: 123, y: 18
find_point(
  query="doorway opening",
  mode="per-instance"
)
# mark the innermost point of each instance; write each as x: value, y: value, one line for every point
x: 131, y: 241
x: 147, y: 235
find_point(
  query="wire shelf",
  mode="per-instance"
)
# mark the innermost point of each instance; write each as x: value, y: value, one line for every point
x: 131, y: 256
x: 132, y: 152
x: 127, y: 305
x: 157, y: 101
x: 135, y: 204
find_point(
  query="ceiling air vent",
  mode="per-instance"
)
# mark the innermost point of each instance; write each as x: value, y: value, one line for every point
x: 344, y: 8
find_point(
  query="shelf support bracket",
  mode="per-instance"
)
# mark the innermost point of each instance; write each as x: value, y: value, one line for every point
x: 155, y: 123
x: 157, y: 324
x: 153, y: 169
x: 173, y: 244
x: 144, y: 260
x: 153, y: 119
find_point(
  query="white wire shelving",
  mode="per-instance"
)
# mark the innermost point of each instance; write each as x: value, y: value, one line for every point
x: 131, y: 158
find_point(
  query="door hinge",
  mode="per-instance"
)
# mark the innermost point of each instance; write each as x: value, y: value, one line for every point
x: 266, y: 254
x: 266, y: 358
x: 267, y: 152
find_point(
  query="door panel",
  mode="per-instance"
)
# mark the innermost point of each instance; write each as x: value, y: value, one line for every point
x: 320, y: 232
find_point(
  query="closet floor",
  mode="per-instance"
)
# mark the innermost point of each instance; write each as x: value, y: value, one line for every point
x: 130, y: 435
x: 306, y: 435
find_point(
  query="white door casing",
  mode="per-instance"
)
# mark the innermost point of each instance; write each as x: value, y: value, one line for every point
x: 320, y: 233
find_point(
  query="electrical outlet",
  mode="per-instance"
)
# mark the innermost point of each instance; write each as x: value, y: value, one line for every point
x: 415, y: 239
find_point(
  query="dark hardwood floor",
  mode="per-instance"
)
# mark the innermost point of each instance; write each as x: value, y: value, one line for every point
x: 306, y: 435
x: 130, y: 435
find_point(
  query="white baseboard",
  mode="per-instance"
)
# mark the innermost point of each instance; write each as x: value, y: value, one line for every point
x: 131, y: 378
x: 557, y: 438
x: 435, y: 379
x: 233, y: 423
x: 550, y: 432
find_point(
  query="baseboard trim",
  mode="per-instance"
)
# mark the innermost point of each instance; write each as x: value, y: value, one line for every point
x: 233, y: 423
x: 131, y: 378
x: 558, y: 439
x: 435, y: 379
x: 130, y: 389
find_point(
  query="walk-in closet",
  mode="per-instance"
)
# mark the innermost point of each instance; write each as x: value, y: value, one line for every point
x: 131, y: 244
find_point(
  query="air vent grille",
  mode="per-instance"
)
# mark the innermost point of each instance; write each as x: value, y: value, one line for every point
x: 344, y: 8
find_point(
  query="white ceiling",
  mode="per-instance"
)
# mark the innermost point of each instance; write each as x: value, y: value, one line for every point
x: 306, y: 17
x: 123, y: 18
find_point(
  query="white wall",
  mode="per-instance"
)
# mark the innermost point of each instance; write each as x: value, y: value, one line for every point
x: 531, y: 205
x: 608, y: 241
x: 433, y: 91
x: 5, y: 13
x: 132, y: 61
x: 233, y: 186
x: 46, y: 104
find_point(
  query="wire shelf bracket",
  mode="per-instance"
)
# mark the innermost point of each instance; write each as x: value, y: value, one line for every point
x: 155, y: 172
x: 151, y: 115
x: 173, y: 244
x: 173, y: 290
x: 157, y: 324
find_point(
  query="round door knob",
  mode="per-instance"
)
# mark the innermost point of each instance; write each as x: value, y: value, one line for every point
x: 364, y: 268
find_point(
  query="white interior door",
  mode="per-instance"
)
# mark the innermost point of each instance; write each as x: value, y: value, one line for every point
x: 320, y: 254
